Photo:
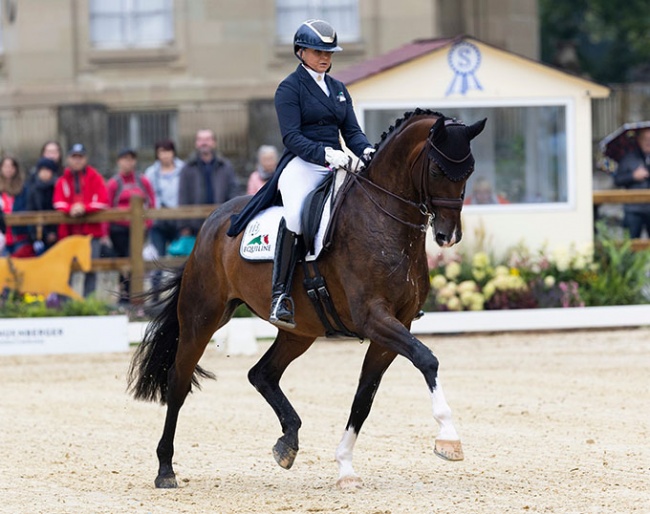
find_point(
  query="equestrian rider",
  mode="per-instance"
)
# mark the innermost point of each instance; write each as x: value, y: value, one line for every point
x: 312, y: 108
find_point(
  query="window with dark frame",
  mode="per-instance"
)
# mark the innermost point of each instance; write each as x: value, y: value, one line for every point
x: 522, y: 154
x: 343, y: 15
x: 140, y: 130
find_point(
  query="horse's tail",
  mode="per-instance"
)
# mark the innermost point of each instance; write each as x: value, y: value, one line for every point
x: 152, y: 360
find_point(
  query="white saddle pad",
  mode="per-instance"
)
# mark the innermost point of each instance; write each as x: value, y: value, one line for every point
x: 258, y: 242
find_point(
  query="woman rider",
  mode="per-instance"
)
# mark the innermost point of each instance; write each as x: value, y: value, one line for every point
x: 312, y: 108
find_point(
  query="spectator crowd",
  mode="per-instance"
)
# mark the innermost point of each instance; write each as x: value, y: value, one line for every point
x: 66, y: 182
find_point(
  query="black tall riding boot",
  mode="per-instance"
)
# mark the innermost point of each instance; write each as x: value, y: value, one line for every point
x: 283, y: 267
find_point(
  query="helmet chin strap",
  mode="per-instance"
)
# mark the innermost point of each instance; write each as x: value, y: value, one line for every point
x: 299, y: 56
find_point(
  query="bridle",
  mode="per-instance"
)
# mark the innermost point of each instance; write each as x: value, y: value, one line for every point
x: 426, y: 205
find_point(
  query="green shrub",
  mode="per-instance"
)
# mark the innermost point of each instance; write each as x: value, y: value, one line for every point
x: 609, y: 272
x: 622, y: 272
x: 16, y: 305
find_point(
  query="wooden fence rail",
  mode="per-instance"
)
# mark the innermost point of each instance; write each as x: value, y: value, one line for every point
x: 624, y: 196
x: 137, y: 214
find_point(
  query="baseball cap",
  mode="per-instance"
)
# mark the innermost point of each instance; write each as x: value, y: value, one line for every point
x: 127, y: 151
x: 77, y: 149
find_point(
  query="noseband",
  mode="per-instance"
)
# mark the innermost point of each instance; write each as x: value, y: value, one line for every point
x: 427, y: 203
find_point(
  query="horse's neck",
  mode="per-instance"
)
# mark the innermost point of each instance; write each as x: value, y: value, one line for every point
x: 396, y: 161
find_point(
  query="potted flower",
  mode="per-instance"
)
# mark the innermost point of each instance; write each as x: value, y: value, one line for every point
x: 527, y: 285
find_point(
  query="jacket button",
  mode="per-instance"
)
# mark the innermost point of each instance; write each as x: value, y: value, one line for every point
x: 321, y: 122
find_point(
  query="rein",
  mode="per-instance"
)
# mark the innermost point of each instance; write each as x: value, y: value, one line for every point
x: 426, y: 204
x: 419, y: 206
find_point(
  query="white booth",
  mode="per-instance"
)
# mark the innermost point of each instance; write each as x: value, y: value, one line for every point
x: 535, y: 154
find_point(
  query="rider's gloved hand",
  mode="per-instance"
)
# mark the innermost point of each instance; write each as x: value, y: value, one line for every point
x: 365, y: 158
x: 367, y: 153
x: 337, y: 158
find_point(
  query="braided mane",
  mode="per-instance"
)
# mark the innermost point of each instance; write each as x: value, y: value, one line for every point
x: 400, y: 123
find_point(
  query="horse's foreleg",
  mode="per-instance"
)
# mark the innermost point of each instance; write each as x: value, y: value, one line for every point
x: 375, y: 364
x: 390, y: 333
x: 265, y: 377
x: 448, y: 445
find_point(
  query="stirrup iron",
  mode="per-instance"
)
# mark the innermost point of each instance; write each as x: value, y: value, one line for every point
x: 283, y: 302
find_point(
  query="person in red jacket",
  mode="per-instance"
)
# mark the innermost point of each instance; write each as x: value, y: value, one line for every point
x: 80, y: 191
x: 125, y: 184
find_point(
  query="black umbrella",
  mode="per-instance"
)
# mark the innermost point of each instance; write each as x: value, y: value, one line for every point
x: 622, y: 140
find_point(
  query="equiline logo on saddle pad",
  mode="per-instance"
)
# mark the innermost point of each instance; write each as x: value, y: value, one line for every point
x: 258, y: 241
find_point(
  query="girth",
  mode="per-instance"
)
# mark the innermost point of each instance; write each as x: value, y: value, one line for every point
x: 317, y: 292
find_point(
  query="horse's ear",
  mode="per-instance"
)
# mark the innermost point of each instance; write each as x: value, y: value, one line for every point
x: 439, y: 131
x: 476, y: 129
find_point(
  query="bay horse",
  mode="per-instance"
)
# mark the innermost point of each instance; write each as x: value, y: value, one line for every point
x: 376, y: 272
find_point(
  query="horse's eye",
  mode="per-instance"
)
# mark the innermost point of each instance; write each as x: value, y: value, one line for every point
x: 435, y: 170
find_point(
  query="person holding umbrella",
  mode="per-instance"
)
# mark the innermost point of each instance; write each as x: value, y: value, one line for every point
x: 634, y: 173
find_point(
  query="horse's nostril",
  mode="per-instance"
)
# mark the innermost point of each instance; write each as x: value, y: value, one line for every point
x: 441, y: 238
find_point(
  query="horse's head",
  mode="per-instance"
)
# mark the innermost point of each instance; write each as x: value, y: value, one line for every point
x: 83, y: 253
x: 439, y: 160
x: 74, y: 247
x: 450, y: 163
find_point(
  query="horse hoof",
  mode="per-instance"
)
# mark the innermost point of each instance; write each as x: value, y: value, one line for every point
x: 349, y: 483
x: 168, y: 482
x: 284, y: 455
x: 449, y: 450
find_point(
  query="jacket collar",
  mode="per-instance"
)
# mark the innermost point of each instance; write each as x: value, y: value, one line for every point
x: 315, y: 90
x: 69, y: 173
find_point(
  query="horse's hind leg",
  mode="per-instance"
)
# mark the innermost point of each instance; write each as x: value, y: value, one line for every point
x: 196, y: 329
x: 375, y: 364
x: 179, y: 380
x: 265, y: 377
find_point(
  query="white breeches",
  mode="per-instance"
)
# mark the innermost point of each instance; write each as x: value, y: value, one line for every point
x: 297, y: 180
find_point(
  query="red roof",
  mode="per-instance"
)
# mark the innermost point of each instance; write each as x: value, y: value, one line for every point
x: 400, y: 55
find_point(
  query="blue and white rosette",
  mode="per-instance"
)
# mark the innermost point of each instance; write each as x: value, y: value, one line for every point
x: 464, y: 59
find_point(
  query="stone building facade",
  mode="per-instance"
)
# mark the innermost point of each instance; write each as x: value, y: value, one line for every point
x: 112, y: 73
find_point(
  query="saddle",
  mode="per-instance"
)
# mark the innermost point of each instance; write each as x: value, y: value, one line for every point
x: 318, y: 222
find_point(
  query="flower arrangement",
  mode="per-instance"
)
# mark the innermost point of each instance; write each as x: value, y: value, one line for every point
x: 608, y: 272
x: 25, y: 305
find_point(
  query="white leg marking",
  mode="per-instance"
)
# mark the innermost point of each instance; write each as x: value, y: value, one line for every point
x: 442, y: 414
x: 344, y: 454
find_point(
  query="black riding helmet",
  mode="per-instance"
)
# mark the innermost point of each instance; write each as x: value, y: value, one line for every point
x: 316, y: 34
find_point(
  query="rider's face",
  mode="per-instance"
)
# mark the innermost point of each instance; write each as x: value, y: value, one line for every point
x: 317, y: 60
